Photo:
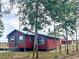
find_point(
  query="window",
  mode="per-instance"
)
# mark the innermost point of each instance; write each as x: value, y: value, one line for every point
x: 12, y: 39
x: 21, y: 39
x: 32, y: 38
x: 40, y: 41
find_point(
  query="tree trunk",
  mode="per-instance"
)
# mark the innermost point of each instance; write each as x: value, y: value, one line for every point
x: 1, y: 23
x: 55, y: 42
x: 35, y: 49
x: 0, y: 6
x: 60, y: 47
x: 36, y: 29
x: 76, y: 41
x: 67, y: 51
x: 24, y: 43
x: 73, y: 45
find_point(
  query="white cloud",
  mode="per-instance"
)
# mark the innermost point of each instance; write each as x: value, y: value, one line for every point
x: 10, y: 23
x: 13, y: 22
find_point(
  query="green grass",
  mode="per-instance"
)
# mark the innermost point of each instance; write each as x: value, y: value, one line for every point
x: 15, y: 55
x: 42, y: 54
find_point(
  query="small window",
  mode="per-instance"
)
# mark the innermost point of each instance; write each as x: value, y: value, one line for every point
x: 40, y: 41
x: 21, y: 39
x: 32, y: 38
x: 12, y: 39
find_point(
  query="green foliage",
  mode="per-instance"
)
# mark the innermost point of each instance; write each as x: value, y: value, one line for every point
x: 1, y: 34
x: 56, y: 33
x: 61, y: 11
x: 1, y: 23
x: 1, y: 28
x: 29, y: 14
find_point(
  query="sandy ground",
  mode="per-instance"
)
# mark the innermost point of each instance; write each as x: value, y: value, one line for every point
x: 4, y: 51
x: 73, y: 56
x: 76, y: 56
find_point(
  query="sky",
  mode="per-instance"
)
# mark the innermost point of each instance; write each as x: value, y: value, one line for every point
x: 9, y: 20
x: 10, y: 23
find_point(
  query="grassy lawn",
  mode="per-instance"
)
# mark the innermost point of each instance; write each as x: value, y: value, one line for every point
x: 42, y: 54
x: 26, y: 55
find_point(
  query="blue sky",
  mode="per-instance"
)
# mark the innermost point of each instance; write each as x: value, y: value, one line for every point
x: 10, y: 23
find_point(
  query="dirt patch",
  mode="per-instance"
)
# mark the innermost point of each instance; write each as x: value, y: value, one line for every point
x: 70, y: 56
x: 20, y: 57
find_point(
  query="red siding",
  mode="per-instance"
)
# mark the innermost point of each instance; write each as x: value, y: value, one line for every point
x: 63, y: 41
x: 11, y: 45
x: 21, y: 45
x: 48, y: 44
x: 28, y: 43
x: 51, y: 44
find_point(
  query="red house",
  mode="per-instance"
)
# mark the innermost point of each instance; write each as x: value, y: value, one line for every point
x: 20, y: 40
x: 64, y: 41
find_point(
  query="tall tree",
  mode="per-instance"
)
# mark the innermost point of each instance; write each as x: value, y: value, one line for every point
x: 33, y: 15
x: 62, y: 11
x: 1, y: 23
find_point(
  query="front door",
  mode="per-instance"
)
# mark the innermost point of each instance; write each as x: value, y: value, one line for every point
x: 16, y: 41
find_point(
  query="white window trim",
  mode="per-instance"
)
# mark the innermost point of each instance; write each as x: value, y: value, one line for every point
x: 41, y: 40
x: 21, y: 39
x: 12, y: 39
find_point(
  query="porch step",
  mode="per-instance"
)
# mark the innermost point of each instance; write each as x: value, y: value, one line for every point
x: 13, y: 49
